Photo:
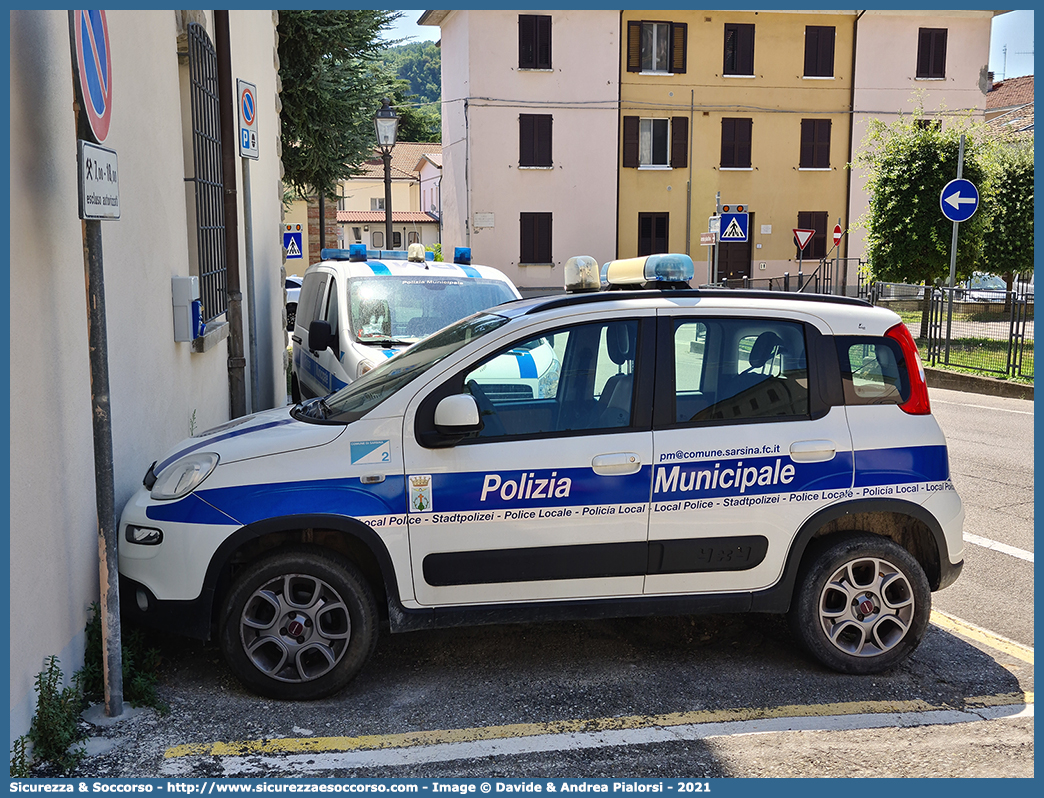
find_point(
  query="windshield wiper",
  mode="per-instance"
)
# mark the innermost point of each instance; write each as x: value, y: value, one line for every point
x: 389, y: 341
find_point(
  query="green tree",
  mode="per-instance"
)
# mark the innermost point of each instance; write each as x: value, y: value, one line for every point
x: 417, y: 92
x: 332, y: 85
x: 1009, y: 250
x: 908, y: 163
x: 420, y: 65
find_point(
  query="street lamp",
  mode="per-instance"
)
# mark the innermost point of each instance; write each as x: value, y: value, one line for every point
x: 387, y: 124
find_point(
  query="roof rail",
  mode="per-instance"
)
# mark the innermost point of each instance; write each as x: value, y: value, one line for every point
x: 560, y: 300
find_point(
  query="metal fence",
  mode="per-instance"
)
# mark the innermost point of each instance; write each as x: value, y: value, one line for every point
x: 826, y: 277
x: 990, y: 331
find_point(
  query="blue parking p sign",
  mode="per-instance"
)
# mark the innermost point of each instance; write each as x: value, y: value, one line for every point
x: 292, y: 245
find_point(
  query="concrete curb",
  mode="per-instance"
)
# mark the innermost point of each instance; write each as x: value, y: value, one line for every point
x: 971, y: 383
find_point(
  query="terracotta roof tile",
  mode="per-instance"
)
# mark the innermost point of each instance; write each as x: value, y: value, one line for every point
x: 405, y: 157
x: 377, y: 217
x: 1010, y: 93
x: 1017, y: 122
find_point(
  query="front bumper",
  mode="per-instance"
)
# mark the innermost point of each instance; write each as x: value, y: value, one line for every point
x: 140, y: 607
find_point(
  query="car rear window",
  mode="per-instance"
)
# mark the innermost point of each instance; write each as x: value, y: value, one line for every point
x: 873, y: 371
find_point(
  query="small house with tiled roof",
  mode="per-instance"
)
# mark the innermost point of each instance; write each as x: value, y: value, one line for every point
x: 416, y: 169
x: 1009, y: 108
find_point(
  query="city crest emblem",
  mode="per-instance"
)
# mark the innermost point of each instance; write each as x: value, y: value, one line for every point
x: 420, y: 493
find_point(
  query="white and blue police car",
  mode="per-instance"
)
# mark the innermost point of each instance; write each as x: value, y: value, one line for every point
x: 360, y: 306
x: 700, y: 450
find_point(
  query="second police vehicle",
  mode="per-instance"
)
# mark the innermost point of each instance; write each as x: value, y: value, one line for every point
x: 359, y: 307
x: 697, y: 451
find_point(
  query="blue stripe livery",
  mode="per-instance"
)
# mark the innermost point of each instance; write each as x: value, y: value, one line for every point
x: 249, y: 503
x: 900, y: 465
x: 527, y: 369
x: 562, y: 487
x: 211, y: 441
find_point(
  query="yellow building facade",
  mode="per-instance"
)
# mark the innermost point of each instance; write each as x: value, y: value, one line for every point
x: 754, y: 105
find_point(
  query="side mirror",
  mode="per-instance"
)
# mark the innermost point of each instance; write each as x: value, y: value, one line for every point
x: 320, y: 337
x: 457, y: 415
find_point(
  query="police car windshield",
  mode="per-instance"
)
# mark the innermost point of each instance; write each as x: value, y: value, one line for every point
x: 400, y: 308
x: 361, y: 396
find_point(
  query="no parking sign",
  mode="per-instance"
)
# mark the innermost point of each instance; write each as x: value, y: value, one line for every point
x: 247, y: 119
x: 94, y: 68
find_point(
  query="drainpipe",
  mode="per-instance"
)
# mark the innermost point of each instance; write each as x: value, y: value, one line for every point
x: 851, y: 134
x: 688, y: 193
x: 226, y: 99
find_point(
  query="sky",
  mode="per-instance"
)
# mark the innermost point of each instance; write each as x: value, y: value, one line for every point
x: 1013, y: 31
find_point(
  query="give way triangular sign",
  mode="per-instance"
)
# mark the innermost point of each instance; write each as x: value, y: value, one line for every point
x: 803, y: 237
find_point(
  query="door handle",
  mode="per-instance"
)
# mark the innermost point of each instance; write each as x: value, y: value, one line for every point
x: 617, y: 463
x: 812, y: 451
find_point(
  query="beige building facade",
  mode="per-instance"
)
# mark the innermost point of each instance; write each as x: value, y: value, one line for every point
x: 529, y: 133
x: 161, y: 390
x: 951, y: 79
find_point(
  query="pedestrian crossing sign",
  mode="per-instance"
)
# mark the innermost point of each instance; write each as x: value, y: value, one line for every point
x: 292, y: 244
x: 733, y: 227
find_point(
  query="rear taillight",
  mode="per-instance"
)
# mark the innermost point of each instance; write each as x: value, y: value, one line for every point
x: 917, y: 403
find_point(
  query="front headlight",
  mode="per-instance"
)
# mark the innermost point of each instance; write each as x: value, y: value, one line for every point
x: 184, y: 476
x: 366, y: 365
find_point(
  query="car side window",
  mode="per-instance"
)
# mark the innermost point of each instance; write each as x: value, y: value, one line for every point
x: 311, y: 295
x: 873, y: 371
x: 574, y: 379
x: 330, y: 312
x: 739, y: 369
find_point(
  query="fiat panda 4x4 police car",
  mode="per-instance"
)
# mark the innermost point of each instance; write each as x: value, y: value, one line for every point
x: 698, y: 451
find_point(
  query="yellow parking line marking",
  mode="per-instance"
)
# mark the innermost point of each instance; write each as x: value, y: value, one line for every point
x: 984, y: 636
x: 436, y: 737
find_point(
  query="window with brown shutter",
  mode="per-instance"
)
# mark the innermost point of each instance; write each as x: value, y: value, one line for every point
x: 535, y: 238
x: 630, y: 142
x: 679, y: 35
x: 656, y: 46
x: 652, y: 233
x: 679, y: 142
x: 931, y: 53
x: 534, y: 140
x: 815, y: 144
x: 739, y: 49
x: 735, y: 143
x: 819, y: 51
x: 534, y: 41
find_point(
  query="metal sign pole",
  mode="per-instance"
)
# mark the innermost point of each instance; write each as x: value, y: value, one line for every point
x: 717, y: 240
x: 98, y: 349
x: 953, y: 260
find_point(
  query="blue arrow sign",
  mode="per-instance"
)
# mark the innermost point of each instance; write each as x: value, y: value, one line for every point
x: 959, y: 200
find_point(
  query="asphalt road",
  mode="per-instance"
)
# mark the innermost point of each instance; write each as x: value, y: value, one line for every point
x: 990, y: 440
x: 664, y: 698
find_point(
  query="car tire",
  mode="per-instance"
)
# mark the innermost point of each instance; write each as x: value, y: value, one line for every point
x: 295, y: 390
x: 291, y: 316
x: 861, y: 603
x: 298, y: 625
